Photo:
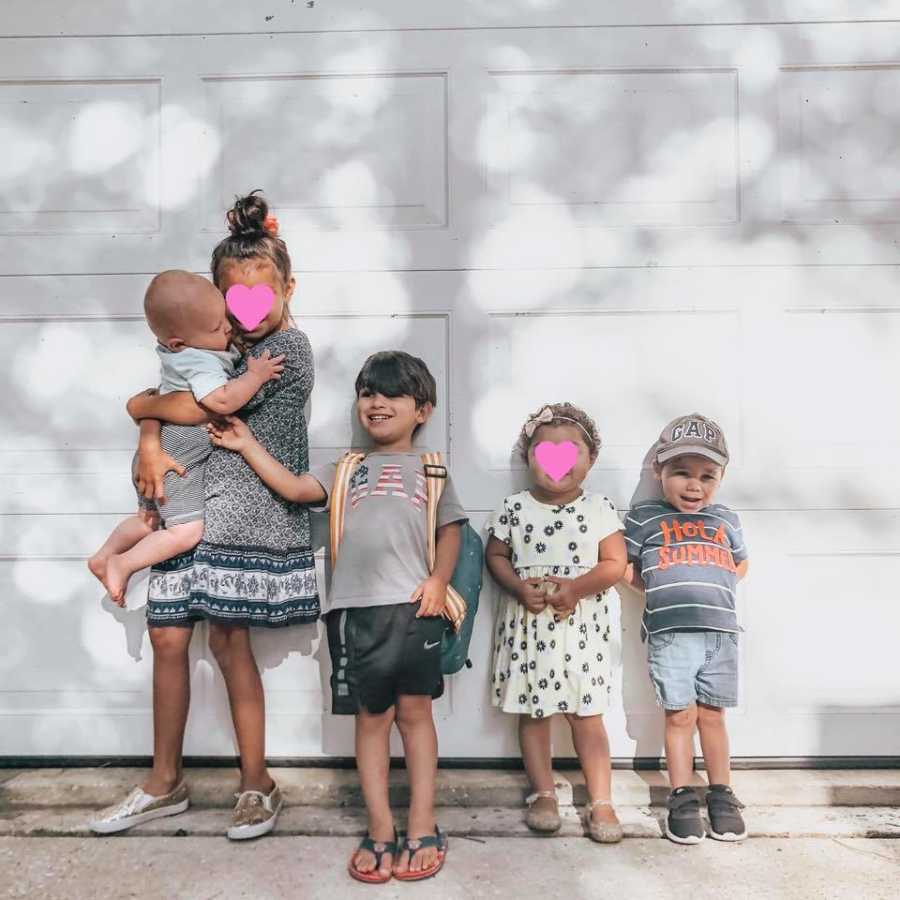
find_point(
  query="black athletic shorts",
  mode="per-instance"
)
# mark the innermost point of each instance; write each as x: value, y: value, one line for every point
x: 380, y: 652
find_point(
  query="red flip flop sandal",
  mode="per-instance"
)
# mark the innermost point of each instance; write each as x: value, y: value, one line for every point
x: 439, y: 840
x: 377, y: 849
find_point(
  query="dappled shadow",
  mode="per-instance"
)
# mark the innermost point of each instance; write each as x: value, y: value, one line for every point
x: 541, y: 215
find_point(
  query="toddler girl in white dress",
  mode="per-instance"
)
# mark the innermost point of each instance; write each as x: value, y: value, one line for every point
x: 554, y: 551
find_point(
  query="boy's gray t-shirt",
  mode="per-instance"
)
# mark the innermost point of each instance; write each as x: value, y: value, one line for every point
x: 384, y: 550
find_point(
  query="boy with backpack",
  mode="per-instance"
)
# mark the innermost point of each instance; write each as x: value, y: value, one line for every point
x: 390, y: 597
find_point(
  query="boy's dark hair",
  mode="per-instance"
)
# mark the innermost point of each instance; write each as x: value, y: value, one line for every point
x: 397, y: 374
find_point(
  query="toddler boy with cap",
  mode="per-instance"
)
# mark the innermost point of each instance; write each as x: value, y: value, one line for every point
x: 687, y: 554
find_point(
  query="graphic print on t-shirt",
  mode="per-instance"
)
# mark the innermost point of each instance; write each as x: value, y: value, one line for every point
x: 359, y: 485
x: 390, y: 484
x: 390, y: 481
x: 711, y: 547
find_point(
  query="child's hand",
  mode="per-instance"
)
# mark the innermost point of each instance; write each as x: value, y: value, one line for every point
x: 232, y: 434
x: 633, y: 578
x: 563, y: 599
x: 151, y: 473
x: 264, y: 367
x: 531, y: 596
x: 433, y: 594
x: 149, y: 516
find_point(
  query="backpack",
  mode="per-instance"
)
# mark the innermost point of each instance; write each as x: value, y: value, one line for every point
x: 465, y: 585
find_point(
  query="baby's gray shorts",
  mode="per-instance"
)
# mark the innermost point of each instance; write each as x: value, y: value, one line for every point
x: 188, y: 445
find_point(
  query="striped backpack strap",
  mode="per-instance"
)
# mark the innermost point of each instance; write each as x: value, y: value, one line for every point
x: 346, y: 466
x: 435, y: 476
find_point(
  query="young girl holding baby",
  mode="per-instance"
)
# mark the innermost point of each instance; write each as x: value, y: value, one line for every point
x: 254, y: 566
x: 555, y: 550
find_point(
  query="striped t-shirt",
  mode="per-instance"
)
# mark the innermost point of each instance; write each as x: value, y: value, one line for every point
x: 688, y: 562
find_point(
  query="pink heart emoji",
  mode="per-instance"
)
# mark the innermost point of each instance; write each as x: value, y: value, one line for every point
x: 557, y: 460
x: 249, y: 305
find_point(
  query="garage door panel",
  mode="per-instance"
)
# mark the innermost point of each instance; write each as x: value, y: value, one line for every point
x: 835, y: 414
x: 838, y: 160
x: 820, y: 634
x: 839, y: 618
x: 366, y: 152
x: 549, y: 140
x: 79, y: 156
x: 68, y: 375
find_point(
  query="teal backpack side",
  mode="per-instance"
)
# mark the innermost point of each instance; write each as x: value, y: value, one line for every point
x: 467, y: 581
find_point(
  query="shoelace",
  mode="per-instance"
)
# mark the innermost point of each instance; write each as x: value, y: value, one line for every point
x: 127, y: 807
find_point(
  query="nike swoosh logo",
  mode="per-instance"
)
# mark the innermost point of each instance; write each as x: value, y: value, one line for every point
x: 429, y: 646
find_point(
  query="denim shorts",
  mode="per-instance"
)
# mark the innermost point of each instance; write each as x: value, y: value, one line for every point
x: 694, y: 666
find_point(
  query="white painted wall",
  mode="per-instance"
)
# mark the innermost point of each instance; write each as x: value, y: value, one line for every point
x: 644, y: 208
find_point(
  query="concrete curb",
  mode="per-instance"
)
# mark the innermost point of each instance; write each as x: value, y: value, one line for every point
x: 62, y: 789
x: 638, y: 822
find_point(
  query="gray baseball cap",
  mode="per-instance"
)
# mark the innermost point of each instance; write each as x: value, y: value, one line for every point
x: 692, y: 434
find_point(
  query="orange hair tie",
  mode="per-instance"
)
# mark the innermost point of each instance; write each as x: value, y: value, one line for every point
x: 270, y: 224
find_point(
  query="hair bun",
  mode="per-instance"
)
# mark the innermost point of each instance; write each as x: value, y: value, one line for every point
x: 248, y: 215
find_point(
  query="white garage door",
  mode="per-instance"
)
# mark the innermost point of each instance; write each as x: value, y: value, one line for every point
x: 674, y: 207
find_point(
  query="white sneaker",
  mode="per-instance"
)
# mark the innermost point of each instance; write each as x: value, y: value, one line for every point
x: 139, y: 807
x: 255, y: 814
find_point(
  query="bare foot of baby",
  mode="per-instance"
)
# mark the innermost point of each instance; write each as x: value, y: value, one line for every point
x: 97, y: 565
x: 116, y: 580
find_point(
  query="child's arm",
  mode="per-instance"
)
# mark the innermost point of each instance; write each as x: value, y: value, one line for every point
x: 528, y: 592
x: 153, y: 462
x: 237, y: 391
x: 433, y: 590
x: 742, y: 568
x: 612, y: 561
x: 237, y: 436
x: 179, y: 407
x: 633, y: 578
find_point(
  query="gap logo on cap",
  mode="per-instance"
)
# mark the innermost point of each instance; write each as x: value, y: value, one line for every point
x: 695, y: 428
x: 692, y: 434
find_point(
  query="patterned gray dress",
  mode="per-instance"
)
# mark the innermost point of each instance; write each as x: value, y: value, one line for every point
x: 254, y: 565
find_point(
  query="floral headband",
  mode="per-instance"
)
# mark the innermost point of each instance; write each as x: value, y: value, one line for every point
x: 546, y: 416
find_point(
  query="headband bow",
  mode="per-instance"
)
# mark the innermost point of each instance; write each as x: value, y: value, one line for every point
x: 544, y: 417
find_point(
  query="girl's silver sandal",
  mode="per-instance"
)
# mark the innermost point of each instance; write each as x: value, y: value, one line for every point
x: 543, y: 821
x: 601, y: 832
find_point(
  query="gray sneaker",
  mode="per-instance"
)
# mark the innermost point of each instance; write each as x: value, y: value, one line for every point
x: 725, y: 820
x: 139, y: 807
x: 255, y: 814
x: 683, y: 823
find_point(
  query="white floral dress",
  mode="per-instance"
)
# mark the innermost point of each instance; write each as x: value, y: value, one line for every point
x: 544, y: 664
